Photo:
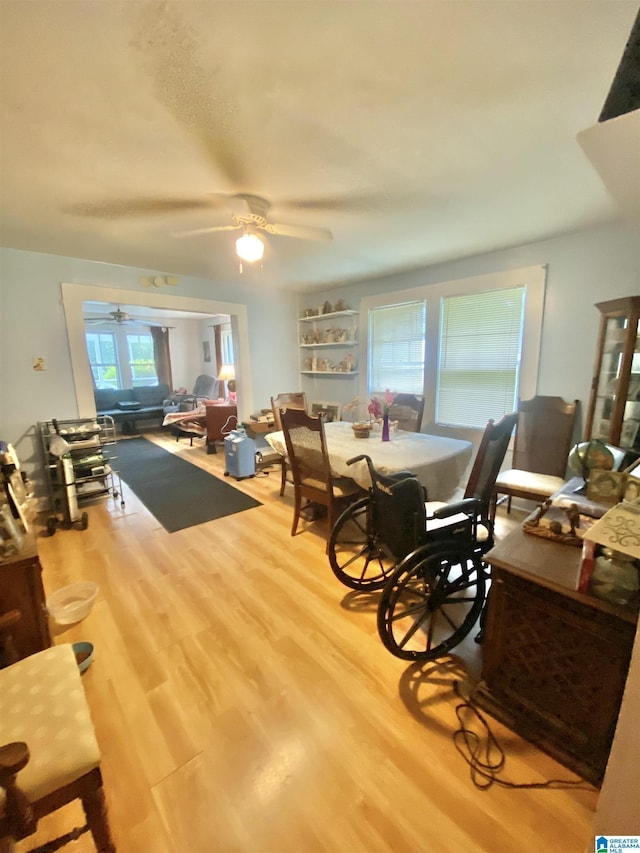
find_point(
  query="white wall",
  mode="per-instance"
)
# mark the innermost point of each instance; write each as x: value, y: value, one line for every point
x: 33, y: 323
x: 584, y: 268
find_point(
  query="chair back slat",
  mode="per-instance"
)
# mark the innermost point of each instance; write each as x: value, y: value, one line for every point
x: 544, y: 435
x: 407, y: 410
x: 306, y: 448
x: 489, y: 458
x: 287, y: 400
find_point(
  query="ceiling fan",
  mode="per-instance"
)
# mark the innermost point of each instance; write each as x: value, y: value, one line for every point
x: 249, y: 213
x: 120, y: 318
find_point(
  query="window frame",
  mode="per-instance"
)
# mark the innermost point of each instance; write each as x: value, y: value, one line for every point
x: 132, y: 364
x: 535, y: 279
x: 488, y: 365
x: 101, y: 365
x: 371, y: 388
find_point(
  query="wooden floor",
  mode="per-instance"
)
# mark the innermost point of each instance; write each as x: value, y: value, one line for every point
x: 243, y: 701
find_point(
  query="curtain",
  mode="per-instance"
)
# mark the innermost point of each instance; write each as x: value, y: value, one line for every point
x: 161, y: 355
x: 217, y: 338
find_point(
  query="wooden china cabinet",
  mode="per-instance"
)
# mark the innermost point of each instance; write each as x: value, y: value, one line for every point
x: 614, y: 406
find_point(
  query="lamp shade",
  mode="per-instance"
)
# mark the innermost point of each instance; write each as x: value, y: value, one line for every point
x: 250, y: 248
x: 227, y: 372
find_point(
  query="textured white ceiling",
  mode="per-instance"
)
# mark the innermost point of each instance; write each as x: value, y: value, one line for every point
x: 417, y: 132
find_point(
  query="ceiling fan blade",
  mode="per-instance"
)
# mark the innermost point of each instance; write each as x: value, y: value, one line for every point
x: 351, y: 201
x: 197, y: 231
x: 302, y: 232
x: 139, y: 207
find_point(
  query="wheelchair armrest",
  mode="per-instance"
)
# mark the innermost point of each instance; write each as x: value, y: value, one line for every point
x: 355, y: 459
x: 469, y: 506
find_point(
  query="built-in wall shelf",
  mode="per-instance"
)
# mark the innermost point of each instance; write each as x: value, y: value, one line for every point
x: 348, y: 312
x: 336, y: 373
x: 336, y: 331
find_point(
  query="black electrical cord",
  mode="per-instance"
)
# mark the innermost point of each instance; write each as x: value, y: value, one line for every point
x: 486, y: 759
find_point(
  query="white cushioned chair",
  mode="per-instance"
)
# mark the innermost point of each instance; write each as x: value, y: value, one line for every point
x: 541, y: 448
x: 49, y: 755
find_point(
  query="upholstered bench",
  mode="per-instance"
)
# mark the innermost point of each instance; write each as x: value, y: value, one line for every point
x: 43, y: 705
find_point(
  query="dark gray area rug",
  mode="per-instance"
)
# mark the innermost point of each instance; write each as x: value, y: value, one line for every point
x: 177, y: 493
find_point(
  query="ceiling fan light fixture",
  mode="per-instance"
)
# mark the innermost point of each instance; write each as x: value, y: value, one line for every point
x: 250, y: 247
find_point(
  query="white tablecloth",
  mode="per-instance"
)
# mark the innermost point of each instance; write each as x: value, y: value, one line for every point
x: 439, y: 463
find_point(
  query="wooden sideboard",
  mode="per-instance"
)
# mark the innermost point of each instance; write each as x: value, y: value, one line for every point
x: 555, y: 661
x: 21, y: 589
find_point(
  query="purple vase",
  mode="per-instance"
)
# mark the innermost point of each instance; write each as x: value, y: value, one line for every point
x: 385, y: 427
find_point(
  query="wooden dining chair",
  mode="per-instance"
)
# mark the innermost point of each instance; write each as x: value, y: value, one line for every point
x: 49, y: 755
x: 312, y: 478
x: 288, y: 400
x: 407, y: 410
x: 542, y: 442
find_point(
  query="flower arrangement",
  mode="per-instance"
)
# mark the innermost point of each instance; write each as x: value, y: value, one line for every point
x: 352, y: 407
x: 378, y: 408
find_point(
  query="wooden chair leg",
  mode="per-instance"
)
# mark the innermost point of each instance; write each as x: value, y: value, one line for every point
x: 296, y: 513
x: 493, y: 506
x: 95, y: 809
x: 283, y: 476
x: 331, y: 520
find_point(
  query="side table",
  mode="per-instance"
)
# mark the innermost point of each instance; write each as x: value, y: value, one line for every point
x: 555, y: 661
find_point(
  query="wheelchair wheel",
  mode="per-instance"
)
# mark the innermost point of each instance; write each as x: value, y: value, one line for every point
x: 432, y: 601
x: 355, y: 554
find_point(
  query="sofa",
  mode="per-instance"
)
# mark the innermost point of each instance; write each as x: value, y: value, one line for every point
x: 127, y: 406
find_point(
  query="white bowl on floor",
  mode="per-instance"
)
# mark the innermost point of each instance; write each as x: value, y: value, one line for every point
x: 72, y: 603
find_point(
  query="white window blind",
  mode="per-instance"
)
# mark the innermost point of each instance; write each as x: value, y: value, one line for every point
x: 396, y: 348
x: 479, y: 356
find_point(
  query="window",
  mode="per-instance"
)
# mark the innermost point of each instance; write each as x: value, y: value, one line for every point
x: 141, y: 360
x: 101, y: 347
x: 479, y: 356
x: 471, y: 345
x: 226, y: 344
x: 396, y: 348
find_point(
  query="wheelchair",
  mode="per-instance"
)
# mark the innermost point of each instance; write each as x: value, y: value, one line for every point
x: 426, y: 559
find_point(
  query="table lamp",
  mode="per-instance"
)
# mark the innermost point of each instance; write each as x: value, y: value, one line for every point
x: 228, y: 375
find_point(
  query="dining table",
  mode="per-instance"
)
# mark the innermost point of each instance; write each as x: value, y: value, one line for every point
x: 438, y: 462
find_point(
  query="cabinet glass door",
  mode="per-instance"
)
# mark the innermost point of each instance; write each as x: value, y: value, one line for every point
x: 609, y: 378
x: 630, y: 432
x: 615, y: 403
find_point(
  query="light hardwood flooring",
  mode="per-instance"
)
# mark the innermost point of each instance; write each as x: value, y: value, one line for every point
x: 243, y: 701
